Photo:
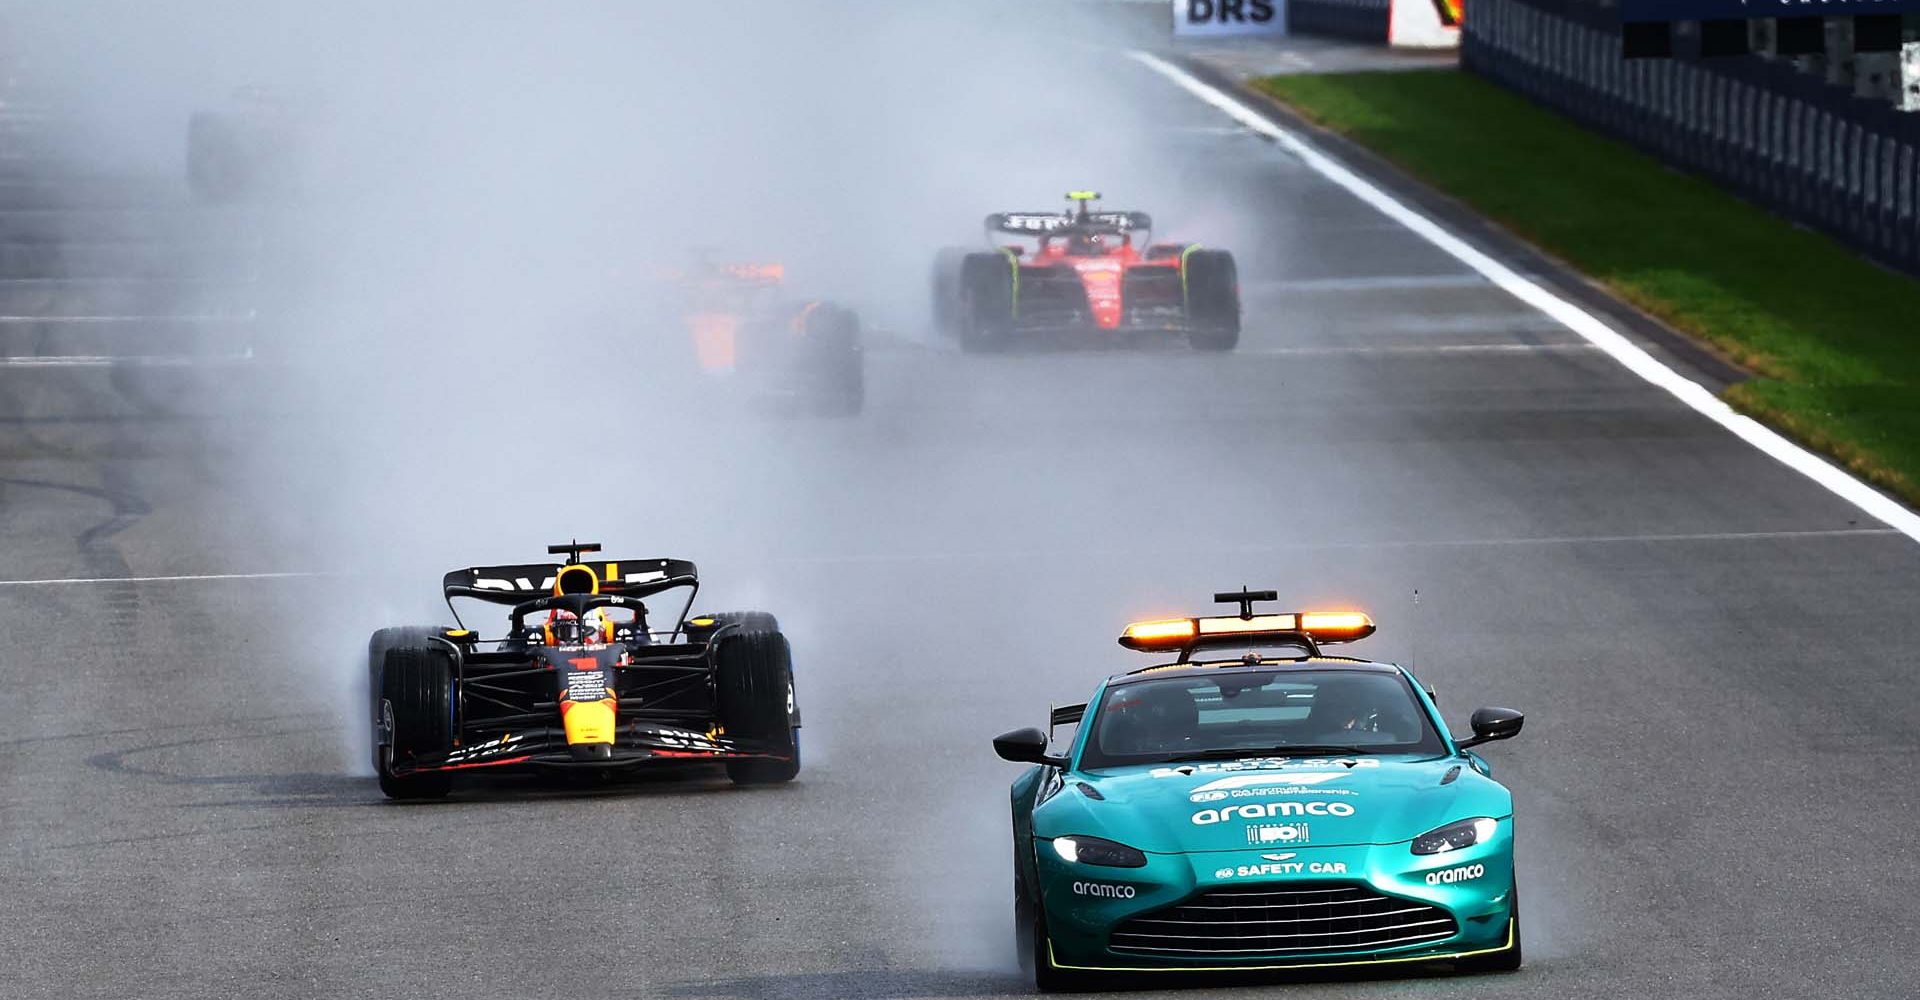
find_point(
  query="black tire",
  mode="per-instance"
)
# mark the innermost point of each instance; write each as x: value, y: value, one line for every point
x: 377, y: 646
x: 1504, y: 960
x: 1212, y: 283
x: 986, y: 301
x: 1024, y: 912
x: 947, y: 310
x: 753, y: 681
x: 417, y: 684
x: 838, y: 378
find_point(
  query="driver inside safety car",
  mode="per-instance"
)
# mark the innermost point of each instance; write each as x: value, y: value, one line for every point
x: 1348, y: 705
x: 1150, y: 718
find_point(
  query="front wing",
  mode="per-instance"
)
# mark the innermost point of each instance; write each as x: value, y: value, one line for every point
x: 1056, y: 299
x: 635, y: 745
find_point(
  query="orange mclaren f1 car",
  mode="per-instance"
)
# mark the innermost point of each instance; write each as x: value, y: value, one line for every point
x: 744, y: 326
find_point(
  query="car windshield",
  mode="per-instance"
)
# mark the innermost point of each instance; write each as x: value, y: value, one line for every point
x: 1237, y: 713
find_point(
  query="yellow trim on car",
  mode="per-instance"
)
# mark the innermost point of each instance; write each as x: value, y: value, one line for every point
x: 1184, y: 254
x: 1051, y: 957
x: 1013, y: 261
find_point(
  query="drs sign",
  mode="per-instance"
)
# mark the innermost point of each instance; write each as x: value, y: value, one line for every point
x: 1229, y: 17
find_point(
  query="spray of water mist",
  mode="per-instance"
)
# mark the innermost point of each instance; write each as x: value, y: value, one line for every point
x: 469, y: 351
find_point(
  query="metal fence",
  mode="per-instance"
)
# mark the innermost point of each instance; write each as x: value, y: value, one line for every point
x: 1365, y: 20
x: 1791, y: 142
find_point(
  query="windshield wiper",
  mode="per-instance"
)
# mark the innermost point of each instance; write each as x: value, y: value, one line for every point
x: 1289, y: 750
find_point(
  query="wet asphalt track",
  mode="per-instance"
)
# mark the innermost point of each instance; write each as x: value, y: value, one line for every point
x: 1714, y: 786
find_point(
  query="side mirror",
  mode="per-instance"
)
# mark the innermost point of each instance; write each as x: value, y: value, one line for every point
x: 1491, y: 724
x: 1024, y: 746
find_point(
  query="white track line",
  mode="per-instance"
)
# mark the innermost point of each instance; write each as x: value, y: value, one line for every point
x: 1410, y: 350
x: 200, y: 578
x: 126, y: 361
x: 112, y: 320
x: 1381, y: 283
x: 1636, y: 360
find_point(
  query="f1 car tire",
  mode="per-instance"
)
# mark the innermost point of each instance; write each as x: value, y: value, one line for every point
x: 377, y: 646
x: 1504, y: 960
x: 947, y: 307
x: 417, y: 684
x: 986, y: 301
x: 1213, y: 300
x: 839, y: 375
x: 753, y: 677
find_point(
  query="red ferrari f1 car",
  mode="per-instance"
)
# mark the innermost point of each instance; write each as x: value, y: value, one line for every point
x: 1085, y: 272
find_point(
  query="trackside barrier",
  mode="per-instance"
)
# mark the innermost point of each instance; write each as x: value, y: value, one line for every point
x: 1364, y: 20
x: 1786, y: 140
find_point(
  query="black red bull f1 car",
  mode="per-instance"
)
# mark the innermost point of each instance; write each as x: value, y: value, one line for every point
x: 1092, y: 273
x: 581, y: 679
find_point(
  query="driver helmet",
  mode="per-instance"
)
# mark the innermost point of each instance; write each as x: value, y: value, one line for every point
x: 564, y: 628
x: 1087, y: 244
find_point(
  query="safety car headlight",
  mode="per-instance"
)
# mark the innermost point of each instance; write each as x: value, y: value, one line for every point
x: 1455, y: 836
x: 1094, y: 851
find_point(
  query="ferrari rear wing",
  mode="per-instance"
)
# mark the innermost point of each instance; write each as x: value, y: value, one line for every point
x: 1042, y: 223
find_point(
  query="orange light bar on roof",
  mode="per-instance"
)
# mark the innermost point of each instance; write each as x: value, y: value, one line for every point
x: 1171, y: 634
x: 1336, y: 626
x: 1187, y: 634
x: 1258, y: 623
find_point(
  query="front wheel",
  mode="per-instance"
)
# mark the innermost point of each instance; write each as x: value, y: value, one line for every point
x: 416, y: 688
x: 1212, y: 286
x: 753, y: 679
x: 989, y: 291
x: 377, y: 646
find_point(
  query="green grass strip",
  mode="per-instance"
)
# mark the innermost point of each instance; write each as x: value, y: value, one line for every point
x: 1833, y: 341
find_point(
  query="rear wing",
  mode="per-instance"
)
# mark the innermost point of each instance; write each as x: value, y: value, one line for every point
x: 1063, y: 715
x: 1042, y: 223
x: 511, y: 585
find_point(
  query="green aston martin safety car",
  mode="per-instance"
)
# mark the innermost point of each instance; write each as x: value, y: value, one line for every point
x: 1281, y: 809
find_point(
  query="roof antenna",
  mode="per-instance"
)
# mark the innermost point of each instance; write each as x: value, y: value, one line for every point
x: 1245, y: 599
x: 1413, y: 653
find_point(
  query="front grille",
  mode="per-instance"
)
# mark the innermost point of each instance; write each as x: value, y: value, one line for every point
x: 1300, y: 919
